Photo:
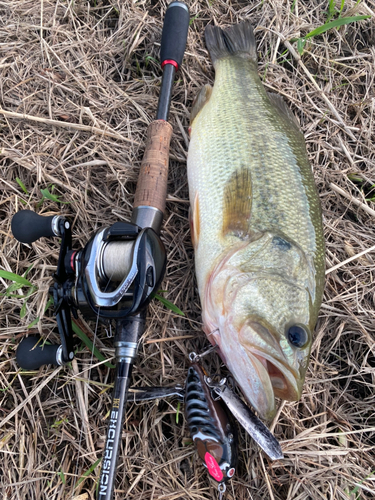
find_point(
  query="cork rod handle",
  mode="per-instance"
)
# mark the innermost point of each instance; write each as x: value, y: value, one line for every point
x: 153, y: 177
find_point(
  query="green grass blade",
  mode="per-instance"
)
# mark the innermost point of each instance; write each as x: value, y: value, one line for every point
x: 150, y: 58
x: 49, y: 304
x: 356, y: 178
x: 22, y: 185
x: 88, y: 472
x: 34, y: 322
x: 49, y: 196
x: 9, y: 386
x: 178, y: 412
x: 331, y: 9
x: 52, y: 197
x: 23, y: 310
x: 46, y: 194
x: 24, y: 305
x: 28, y: 270
x: 354, y: 491
x: 59, y: 422
x: 14, y: 277
x: 12, y: 288
x: 193, y: 19
x: 14, y: 295
x: 169, y: 305
x: 62, y: 477
x: 301, y: 42
x: 341, y: 21
x: 90, y: 345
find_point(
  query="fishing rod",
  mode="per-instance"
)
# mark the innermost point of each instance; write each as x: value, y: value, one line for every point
x: 114, y: 277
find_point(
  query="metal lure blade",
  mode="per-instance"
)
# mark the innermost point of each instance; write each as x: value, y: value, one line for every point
x: 251, y: 423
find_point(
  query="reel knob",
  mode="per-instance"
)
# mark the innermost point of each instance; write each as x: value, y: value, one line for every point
x: 31, y: 354
x: 28, y: 226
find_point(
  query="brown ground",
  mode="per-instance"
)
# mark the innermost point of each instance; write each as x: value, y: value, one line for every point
x: 94, y: 64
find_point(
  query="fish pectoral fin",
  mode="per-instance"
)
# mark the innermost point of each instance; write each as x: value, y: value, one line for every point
x: 284, y: 109
x: 200, y: 100
x: 194, y: 221
x: 237, y: 204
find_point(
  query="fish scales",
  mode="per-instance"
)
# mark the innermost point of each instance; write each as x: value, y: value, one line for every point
x: 256, y: 225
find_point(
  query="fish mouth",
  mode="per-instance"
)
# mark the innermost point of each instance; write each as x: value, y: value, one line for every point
x: 262, y: 377
x: 253, y: 354
x: 283, y: 379
x: 260, y: 367
x: 261, y: 345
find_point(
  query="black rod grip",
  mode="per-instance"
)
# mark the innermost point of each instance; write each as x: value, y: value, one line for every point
x: 174, y: 36
x: 28, y: 226
x: 30, y: 357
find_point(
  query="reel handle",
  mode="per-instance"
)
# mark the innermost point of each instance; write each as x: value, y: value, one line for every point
x: 31, y: 354
x: 28, y: 226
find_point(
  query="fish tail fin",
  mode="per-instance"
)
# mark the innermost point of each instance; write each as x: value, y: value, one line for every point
x: 238, y: 40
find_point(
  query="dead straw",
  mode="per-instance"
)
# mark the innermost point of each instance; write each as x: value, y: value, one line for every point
x: 79, y: 83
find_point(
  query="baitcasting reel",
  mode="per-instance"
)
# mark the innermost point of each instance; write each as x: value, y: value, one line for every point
x: 112, y: 277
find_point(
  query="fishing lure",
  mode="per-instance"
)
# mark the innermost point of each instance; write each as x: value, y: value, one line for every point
x: 211, y: 428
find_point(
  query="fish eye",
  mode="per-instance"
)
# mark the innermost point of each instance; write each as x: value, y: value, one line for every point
x: 298, y: 336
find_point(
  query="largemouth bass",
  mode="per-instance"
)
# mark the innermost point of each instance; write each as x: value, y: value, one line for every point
x: 256, y: 225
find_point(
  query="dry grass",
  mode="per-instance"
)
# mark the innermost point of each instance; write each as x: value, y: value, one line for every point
x: 85, y: 63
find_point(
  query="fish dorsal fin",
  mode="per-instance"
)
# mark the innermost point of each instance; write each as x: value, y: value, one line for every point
x: 284, y: 109
x: 237, y: 204
x: 200, y: 100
